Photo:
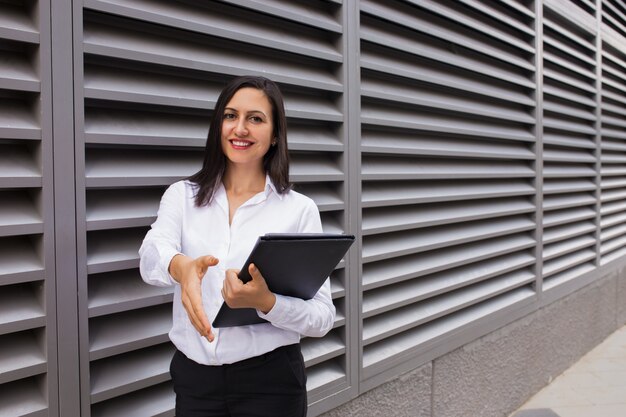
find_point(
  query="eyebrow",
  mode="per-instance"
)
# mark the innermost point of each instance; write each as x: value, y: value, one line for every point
x: 250, y: 112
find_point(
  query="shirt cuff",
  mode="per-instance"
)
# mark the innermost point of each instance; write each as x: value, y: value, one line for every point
x: 166, y: 258
x: 279, y: 312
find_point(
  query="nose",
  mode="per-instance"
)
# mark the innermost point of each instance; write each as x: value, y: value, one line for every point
x: 241, y: 129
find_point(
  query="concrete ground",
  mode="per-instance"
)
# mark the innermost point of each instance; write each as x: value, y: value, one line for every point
x: 595, y: 386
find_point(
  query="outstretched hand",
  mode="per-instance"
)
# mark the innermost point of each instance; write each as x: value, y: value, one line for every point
x: 252, y: 294
x: 189, y: 273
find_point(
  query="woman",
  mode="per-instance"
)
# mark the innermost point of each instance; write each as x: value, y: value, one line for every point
x: 205, y: 229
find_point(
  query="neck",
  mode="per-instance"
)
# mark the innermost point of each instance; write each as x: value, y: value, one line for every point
x: 243, y: 180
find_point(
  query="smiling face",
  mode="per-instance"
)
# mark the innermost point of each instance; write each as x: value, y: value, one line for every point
x: 247, y: 128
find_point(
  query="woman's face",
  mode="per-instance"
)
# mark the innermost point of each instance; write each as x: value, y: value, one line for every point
x: 247, y: 128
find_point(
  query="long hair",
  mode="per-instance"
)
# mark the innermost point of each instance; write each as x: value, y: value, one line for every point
x: 275, y: 161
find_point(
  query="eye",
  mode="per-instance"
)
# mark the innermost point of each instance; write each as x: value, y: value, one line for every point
x: 229, y: 116
x: 256, y: 119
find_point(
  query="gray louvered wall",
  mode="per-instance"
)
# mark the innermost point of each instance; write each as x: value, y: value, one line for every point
x: 475, y: 147
x: 28, y: 379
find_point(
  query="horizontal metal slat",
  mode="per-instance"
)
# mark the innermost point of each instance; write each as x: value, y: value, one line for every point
x: 422, y: 96
x: 613, y: 232
x: 19, y: 261
x: 316, y: 351
x: 121, y: 291
x: 567, y: 125
x: 389, y: 324
x: 554, y: 90
x: 559, y: 217
x: 612, y: 249
x: 483, y: 23
x: 17, y: 72
x: 17, y: 121
x: 402, y: 118
x: 582, y: 115
x: 613, y: 121
x: 112, y: 250
x: 396, y: 168
x: 551, y: 75
x: 113, y: 209
x: 562, y: 277
x: 375, y: 32
x: 566, y: 69
x: 608, y: 144
x: 313, y: 136
x: 130, y: 168
x: 377, y: 194
x: 568, y: 261
x: 403, y: 243
x: 575, y: 56
x: 558, y: 154
x: 613, y: 195
x: 608, y: 170
x: 18, y: 168
x: 323, y: 375
x: 441, y: 262
x: 395, y: 296
x: 380, y: 356
x: 18, y: 215
x: 326, y: 196
x: 567, y: 185
x: 145, y: 88
x: 307, y: 14
x: 390, y: 219
x: 613, y: 133
x: 493, y: 11
x: 402, y: 143
x: 174, y: 49
x: 23, y: 399
x: 613, y: 220
x: 573, y: 14
x: 614, y: 207
x: 20, y: 357
x: 560, y: 233
x: 122, y: 374
x: 140, y: 127
x: 20, y: 309
x: 560, y: 170
x: 562, y: 201
x: 433, y: 26
x: 226, y: 22
x: 153, y: 401
x: 572, y: 141
x: 565, y: 31
x: 313, y: 167
x: 375, y: 58
x: 17, y: 24
x: 123, y: 332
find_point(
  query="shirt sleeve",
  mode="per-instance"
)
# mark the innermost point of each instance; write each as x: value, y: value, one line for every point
x: 314, y: 317
x: 163, y: 240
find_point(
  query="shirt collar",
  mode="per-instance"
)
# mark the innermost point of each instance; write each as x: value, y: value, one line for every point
x: 270, y: 187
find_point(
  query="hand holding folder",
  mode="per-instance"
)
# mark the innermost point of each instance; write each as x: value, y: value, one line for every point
x: 294, y: 265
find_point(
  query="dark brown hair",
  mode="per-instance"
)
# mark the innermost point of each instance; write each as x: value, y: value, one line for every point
x: 275, y: 161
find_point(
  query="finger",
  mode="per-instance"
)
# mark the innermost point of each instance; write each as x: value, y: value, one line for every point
x: 204, y: 262
x: 192, y: 315
x: 195, y: 300
x: 254, y: 272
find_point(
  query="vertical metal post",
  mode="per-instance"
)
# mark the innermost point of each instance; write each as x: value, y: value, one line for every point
x: 64, y: 206
x: 598, y: 136
x: 539, y: 148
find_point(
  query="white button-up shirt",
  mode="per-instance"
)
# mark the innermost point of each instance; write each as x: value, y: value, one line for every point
x: 181, y: 227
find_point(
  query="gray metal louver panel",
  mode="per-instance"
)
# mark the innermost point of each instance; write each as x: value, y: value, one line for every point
x: 152, y: 73
x: 613, y: 130
x: 570, y: 150
x: 28, y: 385
x: 446, y: 168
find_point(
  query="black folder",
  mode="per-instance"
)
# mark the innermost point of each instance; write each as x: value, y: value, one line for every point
x: 295, y: 265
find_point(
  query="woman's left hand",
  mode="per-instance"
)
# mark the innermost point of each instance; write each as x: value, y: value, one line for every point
x: 252, y: 294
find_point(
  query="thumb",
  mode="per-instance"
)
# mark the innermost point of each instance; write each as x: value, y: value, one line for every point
x: 204, y: 262
x: 255, y: 274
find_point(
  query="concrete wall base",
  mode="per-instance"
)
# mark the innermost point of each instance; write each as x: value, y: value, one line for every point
x: 495, y: 374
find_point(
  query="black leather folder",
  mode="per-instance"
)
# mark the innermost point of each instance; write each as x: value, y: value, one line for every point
x: 295, y: 265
